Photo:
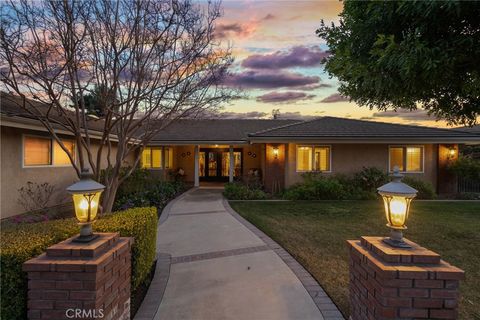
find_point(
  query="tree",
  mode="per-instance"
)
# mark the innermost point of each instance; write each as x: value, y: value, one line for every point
x: 408, y: 54
x: 159, y: 60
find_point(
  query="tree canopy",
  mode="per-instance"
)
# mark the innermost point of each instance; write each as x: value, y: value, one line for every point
x: 408, y: 54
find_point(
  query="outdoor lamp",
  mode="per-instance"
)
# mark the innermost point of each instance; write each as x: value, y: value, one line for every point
x: 451, y: 152
x: 86, y: 198
x: 275, y: 152
x: 397, y: 197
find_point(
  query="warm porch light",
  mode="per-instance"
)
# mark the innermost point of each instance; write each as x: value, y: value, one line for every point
x: 451, y: 152
x: 397, y: 197
x: 86, y: 198
x: 275, y: 152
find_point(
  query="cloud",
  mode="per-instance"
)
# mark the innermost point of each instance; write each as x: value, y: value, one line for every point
x: 232, y: 30
x: 269, y: 17
x: 234, y: 115
x: 299, y: 56
x: 418, y: 114
x: 336, y: 97
x: 283, y: 97
x: 253, y: 79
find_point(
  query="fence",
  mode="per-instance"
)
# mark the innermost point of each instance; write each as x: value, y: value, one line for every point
x: 468, y: 185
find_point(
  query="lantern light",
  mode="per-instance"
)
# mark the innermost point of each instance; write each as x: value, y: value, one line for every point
x: 86, y: 199
x: 397, y: 197
x: 275, y: 152
x: 451, y: 152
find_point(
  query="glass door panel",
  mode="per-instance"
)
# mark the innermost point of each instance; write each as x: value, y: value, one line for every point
x: 201, y: 166
x: 237, y: 164
x: 212, y: 164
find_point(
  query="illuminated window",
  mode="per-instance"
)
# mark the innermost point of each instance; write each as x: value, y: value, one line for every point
x: 38, y: 151
x: 407, y: 158
x: 313, y: 158
x: 152, y: 158
x: 60, y: 157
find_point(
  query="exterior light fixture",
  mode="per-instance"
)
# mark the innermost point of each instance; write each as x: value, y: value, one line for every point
x: 451, y: 152
x: 397, y: 197
x: 86, y: 198
x: 275, y: 152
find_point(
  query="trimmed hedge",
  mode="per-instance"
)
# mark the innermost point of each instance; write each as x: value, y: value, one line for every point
x: 240, y: 191
x: 22, y: 242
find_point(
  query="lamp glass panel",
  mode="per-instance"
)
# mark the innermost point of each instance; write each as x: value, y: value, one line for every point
x: 37, y: 151
x: 396, y: 158
x: 60, y: 157
x: 82, y: 202
x: 414, y: 159
x: 398, y: 211
x: 322, y: 158
x: 304, y: 158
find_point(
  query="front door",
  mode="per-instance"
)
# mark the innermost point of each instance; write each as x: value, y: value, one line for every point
x: 214, y: 164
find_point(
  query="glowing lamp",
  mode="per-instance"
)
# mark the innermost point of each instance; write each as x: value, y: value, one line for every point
x: 275, y: 152
x: 397, y: 197
x: 86, y: 199
x: 451, y: 152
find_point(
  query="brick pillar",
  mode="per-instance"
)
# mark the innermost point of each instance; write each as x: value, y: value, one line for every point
x: 393, y: 283
x: 81, y: 281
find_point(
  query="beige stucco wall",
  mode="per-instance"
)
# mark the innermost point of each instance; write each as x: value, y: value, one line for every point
x: 350, y: 158
x: 14, y: 176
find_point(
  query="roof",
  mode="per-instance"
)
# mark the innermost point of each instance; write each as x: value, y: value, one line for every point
x: 473, y: 129
x: 332, y: 128
x: 215, y: 130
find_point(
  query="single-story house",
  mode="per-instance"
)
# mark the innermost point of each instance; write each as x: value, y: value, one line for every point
x: 220, y: 150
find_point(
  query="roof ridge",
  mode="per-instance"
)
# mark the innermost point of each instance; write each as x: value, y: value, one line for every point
x: 395, y: 124
x: 281, y: 127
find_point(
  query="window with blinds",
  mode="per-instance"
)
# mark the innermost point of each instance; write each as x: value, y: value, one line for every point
x: 152, y: 157
x: 44, y: 151
x: 407, y: 158
x: 313, y: 158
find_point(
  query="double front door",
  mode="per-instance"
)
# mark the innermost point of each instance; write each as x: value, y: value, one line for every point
x: 214, y: 164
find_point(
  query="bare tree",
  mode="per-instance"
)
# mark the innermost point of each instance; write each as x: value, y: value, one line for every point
x: 156, y: 61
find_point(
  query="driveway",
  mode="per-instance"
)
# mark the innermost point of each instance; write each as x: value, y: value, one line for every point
x: 214, y: 265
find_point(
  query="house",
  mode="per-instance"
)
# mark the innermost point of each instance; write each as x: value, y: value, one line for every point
x: 221, y: 150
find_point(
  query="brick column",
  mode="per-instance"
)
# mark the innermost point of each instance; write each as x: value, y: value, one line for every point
x: 81, y: 280
x: 393, y: 283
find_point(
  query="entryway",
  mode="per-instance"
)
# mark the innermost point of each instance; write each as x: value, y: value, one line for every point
x: 214, y: 164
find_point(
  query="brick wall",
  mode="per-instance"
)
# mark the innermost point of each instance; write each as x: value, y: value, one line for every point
x: 388, y: 283
x: 91, y: 279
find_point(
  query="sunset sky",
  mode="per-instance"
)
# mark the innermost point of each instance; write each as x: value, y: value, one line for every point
x: 278, y: 62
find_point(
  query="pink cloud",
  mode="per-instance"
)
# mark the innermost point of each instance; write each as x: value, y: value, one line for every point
x: 336, y: 97
x: 282, y: 97
x: 299, y: 56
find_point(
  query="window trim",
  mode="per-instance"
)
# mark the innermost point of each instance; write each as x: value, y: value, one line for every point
x: 405, y: 146
x: 52, y: 146
x: 313, y: 146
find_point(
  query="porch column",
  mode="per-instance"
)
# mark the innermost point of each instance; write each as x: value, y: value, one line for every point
x: 196, y: 171
x: 231, y: 165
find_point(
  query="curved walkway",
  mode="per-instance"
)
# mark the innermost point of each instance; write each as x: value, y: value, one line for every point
x: 213, y: 264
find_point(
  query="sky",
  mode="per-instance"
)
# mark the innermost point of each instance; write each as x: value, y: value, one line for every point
x: 278, y: 63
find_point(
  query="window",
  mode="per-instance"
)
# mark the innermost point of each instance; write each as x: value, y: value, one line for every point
x: 42, y: 151
x: 407, y: 158
x: 152, y: 157
x: 313, y: 158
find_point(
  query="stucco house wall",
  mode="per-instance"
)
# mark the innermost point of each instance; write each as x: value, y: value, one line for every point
x: 14, y: 175
x: 350, y: 158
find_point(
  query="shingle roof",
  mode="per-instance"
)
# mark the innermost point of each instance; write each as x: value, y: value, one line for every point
x: 341, y: 128
x: 473, y: 129
x: 216, y: 129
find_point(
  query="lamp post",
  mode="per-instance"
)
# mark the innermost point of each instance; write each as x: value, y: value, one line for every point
x: 397, y: 197
x: 86, y: 198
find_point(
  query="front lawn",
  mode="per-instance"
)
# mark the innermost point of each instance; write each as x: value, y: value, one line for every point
x: 315, y: 233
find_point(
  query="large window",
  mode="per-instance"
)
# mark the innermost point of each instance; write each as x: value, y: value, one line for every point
x: 313, y: 158
x: 152, y: 157
x: 407, y: 158
x: 43, y: 151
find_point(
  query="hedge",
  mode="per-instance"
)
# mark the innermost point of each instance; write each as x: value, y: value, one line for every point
x: 22, y: 242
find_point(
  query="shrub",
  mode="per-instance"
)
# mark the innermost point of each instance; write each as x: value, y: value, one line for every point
x: 317, y: 187
x: 425, y: 189
x: 370, y: 178
x: 22, y: 242
x: 467, y: 168
x: 240, y: 191
x: 35, y: 196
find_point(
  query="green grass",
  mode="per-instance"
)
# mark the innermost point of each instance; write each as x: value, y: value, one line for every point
x: 315, y: 233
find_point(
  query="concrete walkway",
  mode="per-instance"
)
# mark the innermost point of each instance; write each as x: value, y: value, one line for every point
x: 215, y: 266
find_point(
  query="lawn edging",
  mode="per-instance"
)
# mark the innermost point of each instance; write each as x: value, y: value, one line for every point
x: 323, y: 302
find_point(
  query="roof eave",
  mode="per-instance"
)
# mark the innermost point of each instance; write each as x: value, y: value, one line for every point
x: 469, y: 139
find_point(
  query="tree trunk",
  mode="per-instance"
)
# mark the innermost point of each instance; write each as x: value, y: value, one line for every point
x: 109, y: 196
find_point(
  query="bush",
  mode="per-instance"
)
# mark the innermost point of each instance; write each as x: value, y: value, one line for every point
x: 22, y: 242
x: 467, y: 168
x: 240, y: 191
x: 425, y: 189
x: 317, y: 188
x: 370, y: 178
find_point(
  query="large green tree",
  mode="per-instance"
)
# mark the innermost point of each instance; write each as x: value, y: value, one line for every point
x: 409, y: 54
